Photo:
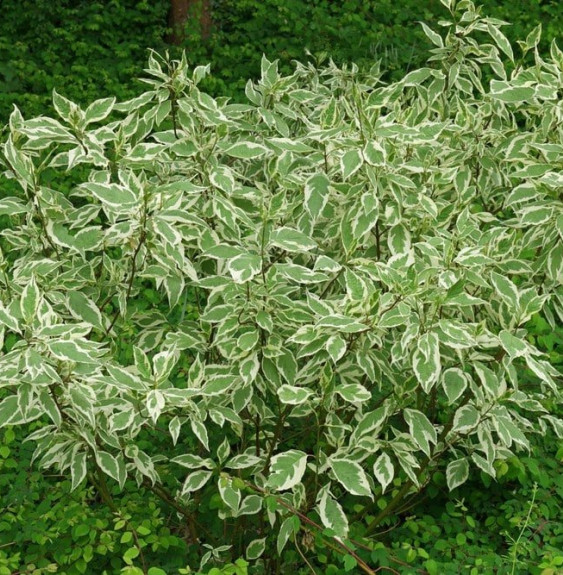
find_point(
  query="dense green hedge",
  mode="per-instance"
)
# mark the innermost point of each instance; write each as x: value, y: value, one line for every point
x: 90, y: 49
x: 87, y: 49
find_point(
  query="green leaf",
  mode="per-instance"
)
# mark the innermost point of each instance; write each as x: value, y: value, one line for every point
x: 130, y: 554
x: 351, y: 476
x: 457, y: 473
x: 287, y: 469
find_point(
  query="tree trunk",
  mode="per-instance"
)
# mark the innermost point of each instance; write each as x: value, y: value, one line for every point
x: 205, y: 19
x: 180, y: 11
x: 177, y: 18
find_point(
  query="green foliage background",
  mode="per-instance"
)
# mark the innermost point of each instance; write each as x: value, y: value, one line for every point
x: 91, y: 49
x: 88, y: 50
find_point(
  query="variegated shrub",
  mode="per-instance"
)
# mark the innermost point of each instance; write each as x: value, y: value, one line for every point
x: 364, y: 259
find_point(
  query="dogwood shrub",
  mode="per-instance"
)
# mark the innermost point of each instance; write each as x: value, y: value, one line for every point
x: 296, y: 307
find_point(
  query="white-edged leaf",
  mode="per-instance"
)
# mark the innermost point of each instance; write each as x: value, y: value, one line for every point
x: 244, y: 267
x: 434, y: 37
x: 112, y: 195
x: 287, y: 469
x: 155, y: 404
x: 336, y: 346
x: 30, y: 299
x: 108, y: 464
x: 250, y: 505
x: 510, y: 94
x: 489, y: 379
x: 255, y: 549
x: 292, y: 395
x: 98, y: 110
x: 454, y: 382
x: 457, y: 473
x: 421, y: 430
x: 426, y: 360
x: 316, y: 194
x: 466, y: 419
x: 506, y: 290
x: 230, y: 496
x: 78, y: 469
x: 384, y: 470
x: 332, y: 515
x: 291, y: 240
x: 351, y: 476
x: 246, y: 150
x: 200, y: 431
x: 84, y: 309
x: 350, y: 163
x: 501, y: 40
x: 289, y: 527
x: 71, y: 350
x: 196, y: 480
x: 353, y: 392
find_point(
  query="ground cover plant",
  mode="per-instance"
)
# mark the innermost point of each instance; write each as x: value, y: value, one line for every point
x: 292, y: 318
